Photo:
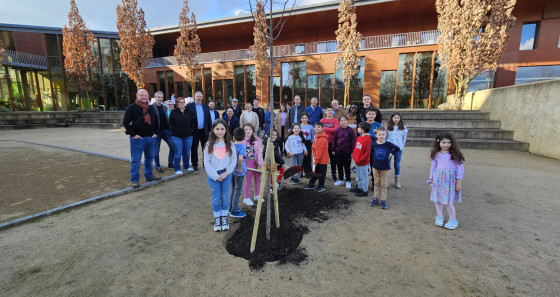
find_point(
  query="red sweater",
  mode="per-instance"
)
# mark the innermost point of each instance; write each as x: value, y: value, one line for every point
x: 330, y: 128
x: 362, y: 150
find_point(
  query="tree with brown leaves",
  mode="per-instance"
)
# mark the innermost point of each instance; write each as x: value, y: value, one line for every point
x: 188, y: 45
x: 261, y: 44
x: 2, y: 52
x: 136, y: 42
x: 77, y: 42
x: 348, y: 41
x: 474, y: 34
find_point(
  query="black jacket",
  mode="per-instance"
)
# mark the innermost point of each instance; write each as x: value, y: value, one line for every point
x: 277, y: 150
x: 363, y: 112
x: 260, y: 113
x: 207, y: 119
x: 181, y: 124
x: 292, y: 115
x: 134, y: 124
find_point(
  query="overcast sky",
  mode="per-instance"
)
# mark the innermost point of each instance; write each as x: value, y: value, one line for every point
x: 100, y: 15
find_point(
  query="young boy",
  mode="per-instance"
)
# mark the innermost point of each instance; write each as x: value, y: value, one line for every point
x: 320, y: 149
x: 331, y: 124
x: 380, y: 152
x: 361, y: 156
x: 238, y: 174
x: 371, y: 113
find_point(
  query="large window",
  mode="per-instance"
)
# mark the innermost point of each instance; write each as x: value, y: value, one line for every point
x: 208, y: 85
x: 327, y: 89
x: 56, y: 71
x: 387, y: 89
x: 356, y: 85
x: 536, y: 73
x: 239, y: 78
x: 313, y: 86
x: 276, y: 91
x: 300, y: 81
x: 251, y: 80
x: 422, y: 79
x: 482, y: 81
x: 228, y: 91
x: 405, y: 74
x: 326, y: 46
x: 529, y: 36
x: 219, y: 94
x: 439, y: 84
x: 287, y: 81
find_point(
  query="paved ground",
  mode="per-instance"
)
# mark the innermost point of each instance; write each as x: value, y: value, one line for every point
x: 158, y: 241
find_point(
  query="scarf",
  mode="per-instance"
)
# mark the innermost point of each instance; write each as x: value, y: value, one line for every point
x: 145, y: 107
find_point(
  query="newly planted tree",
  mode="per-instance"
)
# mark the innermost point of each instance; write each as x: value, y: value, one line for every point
x: 77, y: 42
x: 188, y: 45
x: 474, y: 34
x: 348, y: 41
x: 136, y: 42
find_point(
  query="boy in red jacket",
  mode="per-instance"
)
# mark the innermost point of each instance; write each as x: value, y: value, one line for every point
x: 361, y: 155
x: 331, y: 124
x: 320, y: 158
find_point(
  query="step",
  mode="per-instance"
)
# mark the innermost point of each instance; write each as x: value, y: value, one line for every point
x: 31, y: 126
x: 96, y: 125
x: 480, y: 144
x: 98, y: 120
x: 454, y: 124
x: 461, y: 133
x: 436, y: 115
x: 31, y: 121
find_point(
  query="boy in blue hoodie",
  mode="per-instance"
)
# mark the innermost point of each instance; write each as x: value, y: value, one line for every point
x: 238, y: 174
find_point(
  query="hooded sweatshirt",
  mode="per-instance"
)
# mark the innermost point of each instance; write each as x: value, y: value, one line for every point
x: 321, y: 149
x: 344, y: 140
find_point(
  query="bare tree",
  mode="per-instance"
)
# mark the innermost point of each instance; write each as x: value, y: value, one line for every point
x: 348, y: 41
x: 136, y: 42
x: 77, y: 42
x: 188, y: 45
x: 474, y: 34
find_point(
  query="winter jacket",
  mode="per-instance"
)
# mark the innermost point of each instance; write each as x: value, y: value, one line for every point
x: 361, y: 152
x: 133, y: 121
x: 344, y: 140
x: 181, y: 124
x: 315, y: 115
x: 255, y: 151
x: 330, y: 127
x: 254, y: 120
x: 320, y: 149
x: 234, y: 123
x: 278, y: 125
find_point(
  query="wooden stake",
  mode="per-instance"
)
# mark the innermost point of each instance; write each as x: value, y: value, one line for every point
x: 264, y: 176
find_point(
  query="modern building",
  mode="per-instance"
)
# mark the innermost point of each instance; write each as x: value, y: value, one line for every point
x: 400, y: 67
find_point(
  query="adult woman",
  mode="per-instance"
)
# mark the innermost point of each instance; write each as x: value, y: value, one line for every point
x: 231, y: 119
x: 181, y: 124
x: 281, y: 124
x: 354, y: 117
x: 249, y: 116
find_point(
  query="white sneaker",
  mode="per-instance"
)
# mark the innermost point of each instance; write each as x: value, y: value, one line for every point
x: 178, y: 172
x: 338, y: 183
x: 256, y: 198
x: 348, y: 185
x: 248, y: 202
x: 190, y: 169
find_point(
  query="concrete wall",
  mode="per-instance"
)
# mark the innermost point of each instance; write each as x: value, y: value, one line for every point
x: 532, y: 111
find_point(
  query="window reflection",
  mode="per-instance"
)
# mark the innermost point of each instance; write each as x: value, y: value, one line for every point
x: 251, y: 77
x: 528, y: 36
x: 286, y: 83
x: 536, y: 73
x: 313, y: 87
x: 422, y: 79
x: 482, y: 81
x: 327, y: 89
x: 387, y: 89
x: 439, y: 84
x: 300, y: 81
x: 239, y: 77
x: 404, y: 86
x: 208, y: 85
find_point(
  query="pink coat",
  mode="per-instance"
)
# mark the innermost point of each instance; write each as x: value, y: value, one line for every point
x: 258, y: 150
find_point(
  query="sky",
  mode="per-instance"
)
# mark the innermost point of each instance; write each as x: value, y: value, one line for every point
x: 100, y: 15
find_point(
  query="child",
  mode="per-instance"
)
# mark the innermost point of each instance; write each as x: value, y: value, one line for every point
x: 360, y: 155
x: 309, y: 134
x: 238, y: 174
x: 277, y: 142
x: 331, y: 124
x: 380, y: 152
x: 446, y: 175
x: 371, y: 114
x: 295, y: 147
x: 220, y: 158
x: 254, y: 160
x: 343, y: 144
x: 397, y: 136
x: 321, y: 158
x: 354, y: 117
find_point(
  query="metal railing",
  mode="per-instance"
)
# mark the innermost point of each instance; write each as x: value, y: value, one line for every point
x: 19, y: 59
x: 309, y: 48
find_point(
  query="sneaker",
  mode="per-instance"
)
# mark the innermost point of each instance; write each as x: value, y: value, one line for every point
x: 361, y: 194
x: 338, y: 183
x: 374, y: 202
x: 309, y: 187
x: 159, y: 170
x: 348, y: 185
x: 356, y: 190
x: 154, y: 178
x: 334, y: 178
x: 439, y: 221
x: 296, y: 180
x: 293, y: 181
x: 237, y: 214
x: 169, y: 165
x: 225, y: 224
x: 321, y: 189
x: 135, y: 185
x: 353, y: 169
x: 383, y: 204
x: 217, y: 225
x: 195, y: 168
x: 248, y: 202
x: 256, y: 198
x: 451, y: 224
x: 278, y: 187
x: 178, y: 172
x: 190, y: 169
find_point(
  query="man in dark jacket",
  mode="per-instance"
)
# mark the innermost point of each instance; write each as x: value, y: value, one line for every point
x: 164, y: 132
x: 202, y: 127
x: 214, y: 114
x: 366, y: 100
x: 260, y: 112
x: 236, y: 109
x: 295, y: 112
x: 141, y: 124
x: 231, y: 119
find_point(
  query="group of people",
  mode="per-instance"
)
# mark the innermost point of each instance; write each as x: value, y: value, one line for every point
x: 233, y: 149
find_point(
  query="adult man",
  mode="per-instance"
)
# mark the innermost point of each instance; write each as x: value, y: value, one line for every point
x: 260, y: 112
x: 214, y: 115
x: 363, y: 109
x: 338, y: 112
x: 236, y: 109
x: 141, y: 124
x: 315, y: 112
x: 170, y: 107
x: 203, y: 126
x: 294, y: 115
x: 164, y: 133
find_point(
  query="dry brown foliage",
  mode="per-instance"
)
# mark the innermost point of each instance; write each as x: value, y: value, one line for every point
x: 261, y: 42
x: 348, y: 41
x: 77, y: 42
x: 2, y: 51
x: 474, y: 34
x: 188, y: 45
x: 136, y: 42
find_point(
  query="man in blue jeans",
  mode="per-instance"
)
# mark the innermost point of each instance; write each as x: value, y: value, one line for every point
x: 141, y: 124
x: 164, y: 132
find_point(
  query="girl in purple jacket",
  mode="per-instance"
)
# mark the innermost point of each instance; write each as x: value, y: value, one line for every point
x: 342, y: 147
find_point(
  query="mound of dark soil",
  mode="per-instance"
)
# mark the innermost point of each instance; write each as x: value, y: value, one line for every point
x: 294, y: 204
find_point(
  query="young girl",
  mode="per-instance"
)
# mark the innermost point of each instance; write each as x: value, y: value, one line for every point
x: 342, y: 147
x: 354, y: 117
x: 295, y: 147
x: 396, y: 134
x: 220, y: 158
x: 446, y: 175
x: 309, y: 135
x: 254, y: 160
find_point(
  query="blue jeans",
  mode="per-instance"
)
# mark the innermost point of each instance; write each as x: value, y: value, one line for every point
x: 235, y: 193
x: 182, y: 146
x: 297, y: 160
x: 219, y: 191
x: 144, y: 145
x: 397, y: 163
x: 362, y: 173
x: 166, y: 136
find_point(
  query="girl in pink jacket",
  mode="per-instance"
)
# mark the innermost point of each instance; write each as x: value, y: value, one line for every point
x: 254, y: 160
